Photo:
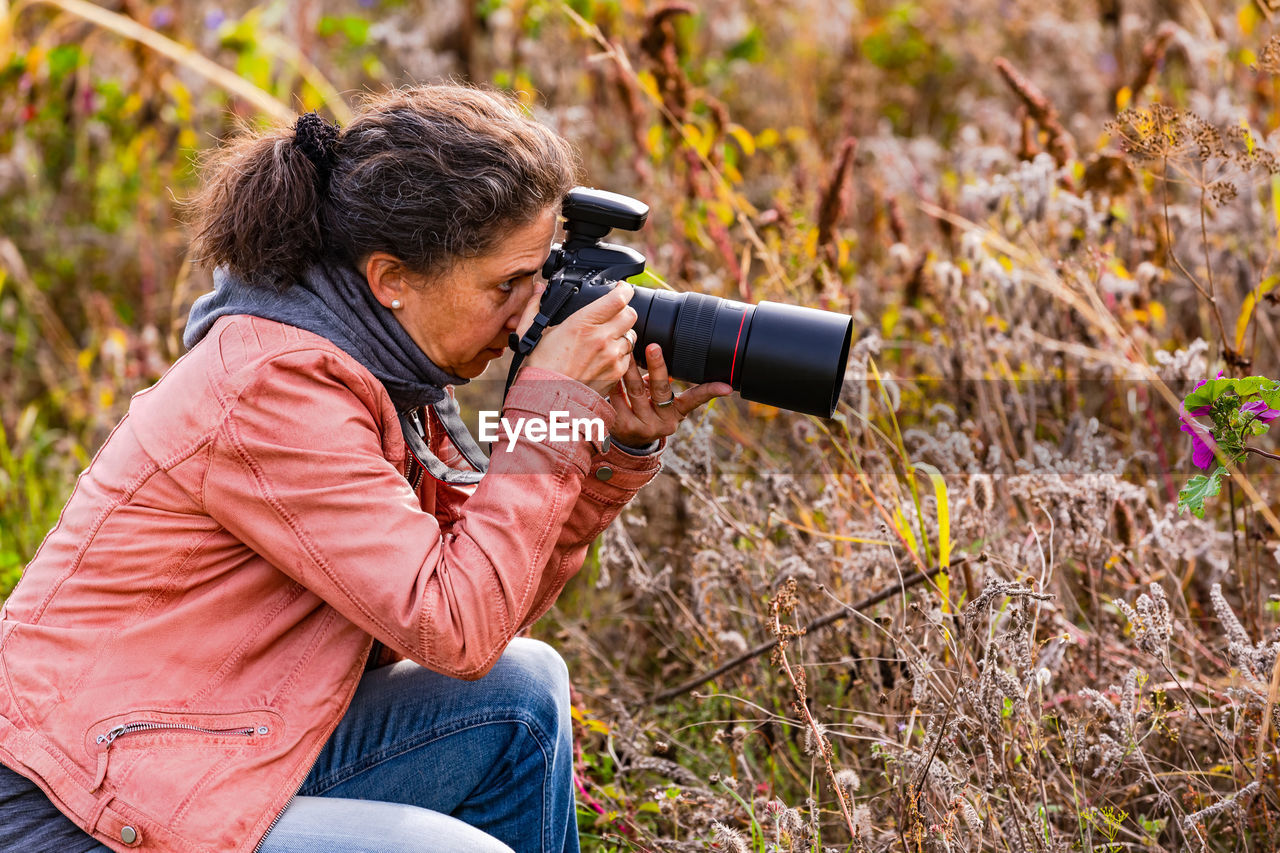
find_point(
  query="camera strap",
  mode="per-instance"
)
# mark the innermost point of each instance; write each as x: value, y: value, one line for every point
x: 552, y: 301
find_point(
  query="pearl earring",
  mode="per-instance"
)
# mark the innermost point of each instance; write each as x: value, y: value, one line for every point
x: 396, y: 304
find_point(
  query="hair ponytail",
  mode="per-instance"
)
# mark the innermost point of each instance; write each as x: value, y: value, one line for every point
x: 429, y: 174
x: 260, y: 210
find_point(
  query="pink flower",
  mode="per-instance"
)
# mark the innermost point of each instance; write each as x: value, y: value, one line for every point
x: 1260, y: 411
x: 1202, y: 442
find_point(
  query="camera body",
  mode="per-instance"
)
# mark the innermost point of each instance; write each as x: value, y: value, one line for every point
x: 583, y: 268
x: 782, y: 355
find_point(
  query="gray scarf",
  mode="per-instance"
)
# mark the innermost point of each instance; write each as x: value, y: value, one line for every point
x: 334, y: 302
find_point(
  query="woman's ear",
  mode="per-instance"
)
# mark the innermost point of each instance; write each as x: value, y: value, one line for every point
x: 388, y: 278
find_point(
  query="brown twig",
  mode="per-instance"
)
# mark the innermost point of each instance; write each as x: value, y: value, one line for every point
x: 826, y: 619
x: 834, y: 201
x: 1152, y: 54
x: 1061, y: 144
x: 659, y: 44
x: 785, y: 601
x: 1261, y: 452
x: 624, y: 80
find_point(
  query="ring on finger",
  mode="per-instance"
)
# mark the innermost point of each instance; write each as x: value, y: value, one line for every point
x: 630, y: 335
x: 662, y: 404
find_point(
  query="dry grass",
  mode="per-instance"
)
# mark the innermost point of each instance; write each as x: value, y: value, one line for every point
x: 1050, y: 221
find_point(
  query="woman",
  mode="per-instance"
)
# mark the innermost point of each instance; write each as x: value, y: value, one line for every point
x: 263, y: 623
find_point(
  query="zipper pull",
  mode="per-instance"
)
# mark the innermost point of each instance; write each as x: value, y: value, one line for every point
x: 416, y: 417
x: 111, y: 735
x: 105, y: 741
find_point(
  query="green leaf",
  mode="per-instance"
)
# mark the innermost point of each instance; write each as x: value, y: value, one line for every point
x: 1208, y: 392
x: 356, y: 30
x: 1270, y: 395
x: 648, y: 278
x: 1193, y: 494
x: 1250, y: 385
x: 750, y: 47
x: 63, y: 59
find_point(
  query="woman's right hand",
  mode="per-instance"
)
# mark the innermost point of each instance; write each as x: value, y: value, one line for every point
x: 593, y: 345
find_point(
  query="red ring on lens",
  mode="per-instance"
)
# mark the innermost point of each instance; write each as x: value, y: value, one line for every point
x: 733, y: 364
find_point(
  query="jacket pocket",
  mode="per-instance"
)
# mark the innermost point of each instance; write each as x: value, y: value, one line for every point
x: 167, y: 730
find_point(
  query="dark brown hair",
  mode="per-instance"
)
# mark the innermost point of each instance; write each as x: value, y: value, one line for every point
x: 430, y: 174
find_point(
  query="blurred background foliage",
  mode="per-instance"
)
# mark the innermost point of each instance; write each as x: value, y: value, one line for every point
x: 1049, y: 218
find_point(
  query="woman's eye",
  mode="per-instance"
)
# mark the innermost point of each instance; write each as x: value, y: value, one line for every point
x: 511, y: 284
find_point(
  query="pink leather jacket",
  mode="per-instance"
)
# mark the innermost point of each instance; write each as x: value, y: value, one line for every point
x: 190, y: 633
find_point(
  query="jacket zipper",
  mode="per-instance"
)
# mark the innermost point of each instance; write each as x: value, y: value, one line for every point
x: 419, y: 469
x: 273, y: 823
x: 109, y: 737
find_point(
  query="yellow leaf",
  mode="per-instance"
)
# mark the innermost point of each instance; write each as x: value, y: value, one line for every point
x: 694, y: 139
x: 1248, y: 57
x: 26, y: 422
x: 944, y: 513
x: 1248, y: 18
x: 743, y: 137
x: 649, y: 84
x: 1123, y: 97
x: 654, y: 137
x: 767, y: 138
x: 1246, y: 308
x: 888, y: 319
x: 1275, y: 200
x: 1157, y: 315
x: 900, y: 522
x: 721, y: 210
x: 811, y: 244
x: 944, y: 531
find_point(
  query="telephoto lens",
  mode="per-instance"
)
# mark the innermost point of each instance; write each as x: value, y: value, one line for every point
x: 782, y: 355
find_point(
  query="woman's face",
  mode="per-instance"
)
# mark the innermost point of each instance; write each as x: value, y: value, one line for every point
x: 461, y: 319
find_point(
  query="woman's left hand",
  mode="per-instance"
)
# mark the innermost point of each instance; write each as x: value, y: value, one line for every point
x: 648, y: 408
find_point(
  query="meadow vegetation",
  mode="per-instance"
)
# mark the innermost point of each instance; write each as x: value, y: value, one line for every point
x: 969, y: 612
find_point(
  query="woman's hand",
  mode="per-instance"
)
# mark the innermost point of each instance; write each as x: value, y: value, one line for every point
x: 648, y: 407
x: 593, y: 345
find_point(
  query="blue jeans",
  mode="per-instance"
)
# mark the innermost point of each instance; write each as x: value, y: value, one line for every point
x: 424, y: 762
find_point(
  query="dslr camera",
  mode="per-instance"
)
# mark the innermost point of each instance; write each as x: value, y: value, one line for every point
x: 782, y: 355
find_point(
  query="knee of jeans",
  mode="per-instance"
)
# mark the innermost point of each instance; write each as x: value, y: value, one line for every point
x: 546, y: 678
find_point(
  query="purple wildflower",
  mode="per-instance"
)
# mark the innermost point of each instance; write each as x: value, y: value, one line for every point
x: 1260, y: 411
x: 1201, y: 437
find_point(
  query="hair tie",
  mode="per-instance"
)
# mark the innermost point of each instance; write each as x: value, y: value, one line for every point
x: 315, y: 138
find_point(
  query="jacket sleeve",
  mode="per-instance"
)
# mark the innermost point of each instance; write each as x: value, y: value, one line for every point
x: 613, y: 478
x: 299, y: 472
